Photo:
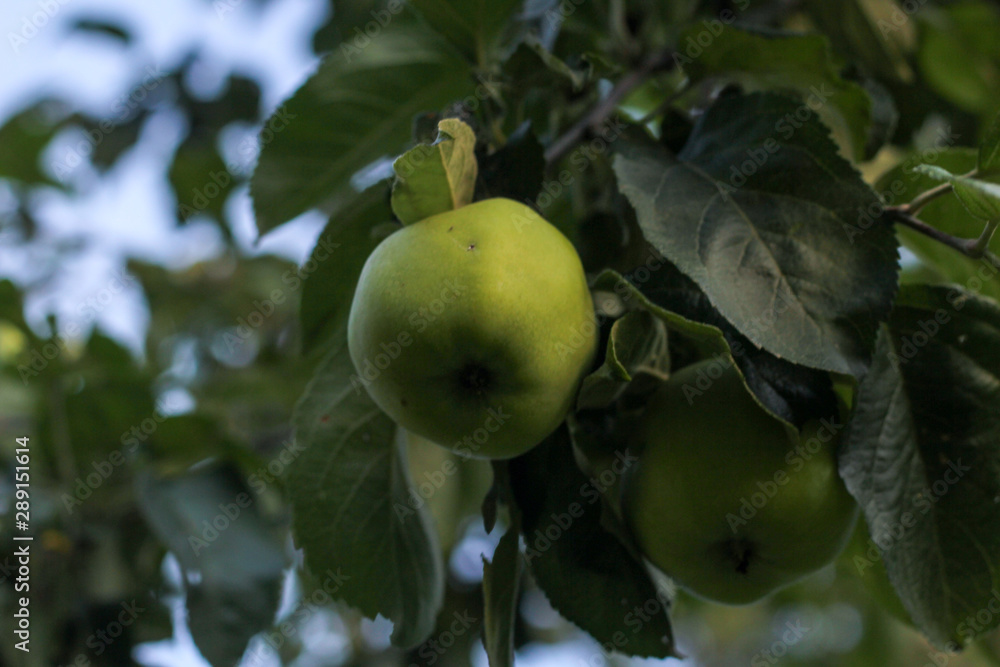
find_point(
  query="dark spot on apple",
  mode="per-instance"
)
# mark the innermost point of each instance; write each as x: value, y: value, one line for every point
x: 451, y: 229
x: 740, y: 552
x: 403, y: 402
x: 474, y: 378
x: 472, y: 246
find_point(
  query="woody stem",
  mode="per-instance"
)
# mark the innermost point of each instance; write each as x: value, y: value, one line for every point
x: 602, y: 110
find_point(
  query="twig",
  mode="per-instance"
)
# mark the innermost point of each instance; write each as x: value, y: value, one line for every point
x: 974, y: 248
x: 925, y: 198
x: 664, y: 105
x: 603, y: 109
x: 983, y: 242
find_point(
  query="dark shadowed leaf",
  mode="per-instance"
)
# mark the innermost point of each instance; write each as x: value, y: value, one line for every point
x: 102, y: 423
x: 586, y: 573
x: 23, y: 137
x: 209, y: 521
x: 638, y: 342
x: 707, y: 338
x: 115, y: 139
x: 885, y: 117
x: 989, y: 149
x: 786, y: 260
x: 501, y: 585
x: 336, y: 262
x: 531, y: 64
x: 474, y: 27
x: 348, y: 21
x: 350, y: 493
x: 794, y: 393
x: 799, y: 65
x: 201, y: 181
x: 876, y: 32
x: 100, y: 27
x: 958, y: 53
x: 356, y: 108
x: 922, y: 456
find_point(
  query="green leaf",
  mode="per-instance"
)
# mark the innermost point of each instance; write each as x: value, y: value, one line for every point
x: 794, y: 393
x: 115, y: 137
x: 356, y: 108
x: 638, y: 341
x: 185, y: 440
x: 200, y: 180
x: 96, y: 26
x: 989, y: 149
x: 350, y: 19
x: 102, y: 425
x: 876, y: 32
x: 531, y: 65
x: 934, y: 171
x: 239, y: 102
x: 12, y: 304
x: 474, y: 27
x: 335, y: 263
x: 435, y: 178
x: 211, y: 524
x: 23, y: 138
x: 707, y: 338
x: 948, y: 214
x: 980, y: 198
x: 501, y: 584
x: 798, y: 64
x: 786, y: 260
x: 350, y: 493
x: 885, y: 117
x: 922, y: 456
x: 588, y: 576
x: 958, y: 53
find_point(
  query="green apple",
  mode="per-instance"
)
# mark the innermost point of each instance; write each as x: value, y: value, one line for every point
x: 474, y: 327
x: 728, y: 500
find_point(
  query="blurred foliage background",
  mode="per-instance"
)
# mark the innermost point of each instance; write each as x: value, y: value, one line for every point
x: 149, y: 346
